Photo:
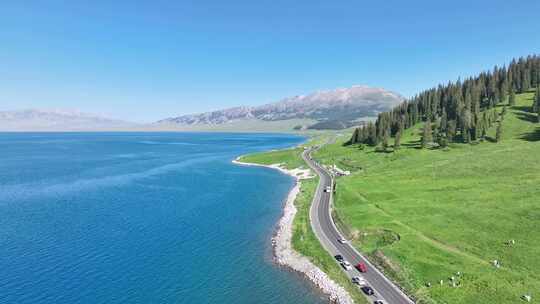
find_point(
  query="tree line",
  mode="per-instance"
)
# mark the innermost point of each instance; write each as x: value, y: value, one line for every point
x: 460, y: 111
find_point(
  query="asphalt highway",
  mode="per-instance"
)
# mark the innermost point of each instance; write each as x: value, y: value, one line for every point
x: 328, y: 234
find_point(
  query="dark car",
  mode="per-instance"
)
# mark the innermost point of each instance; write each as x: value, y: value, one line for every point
x: 368, y: 290
x: 339, y: 257
x: 378, y: 302
x: 361, y: 267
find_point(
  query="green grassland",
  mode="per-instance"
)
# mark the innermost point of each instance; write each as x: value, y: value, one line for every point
x: 304, y: 240
x: 288, y: 158
x: 426, y: 214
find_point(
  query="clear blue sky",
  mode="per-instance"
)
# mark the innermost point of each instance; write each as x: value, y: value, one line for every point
x: 144, y: 61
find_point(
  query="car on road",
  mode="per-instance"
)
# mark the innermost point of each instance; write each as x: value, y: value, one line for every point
x: 328, y: 189
x: 342, y: 240
x: 361, y: 267
x: 359, y: 280
x: 368, y: 290
x: 339, y: 258
x: 346, y: 265
x: 378, y: 302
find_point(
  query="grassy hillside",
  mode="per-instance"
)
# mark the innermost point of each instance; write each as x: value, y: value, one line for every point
x: 426, y: 215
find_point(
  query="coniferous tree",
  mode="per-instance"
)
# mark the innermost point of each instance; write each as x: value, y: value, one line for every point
x: 372, y: 134
x: 536, y: 101
x: 426, y: 134
x: 355, y: 137
x: 397, y: 140
x: 451, y: 131
x: 466, y: 125
x: 444, y: 122
x: 512, y: 98
x: 483, y: 130
x: 536, y: 104
x: 385, y: 141
x: 525, y: 81
x: 399, y: 132
x: 498, y: 134
x: 464, y: 102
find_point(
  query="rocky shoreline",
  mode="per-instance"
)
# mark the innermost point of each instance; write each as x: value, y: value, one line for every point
x: 285, y: 255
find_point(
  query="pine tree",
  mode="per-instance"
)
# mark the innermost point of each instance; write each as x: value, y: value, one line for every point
x: 397, y: 140
x: 426, y: 135
x: 512, y: 98
x: 443, y: 127
x: 372, y: 134
x: 462, y: 102
x: 355, y: 136
x: 385, y: 141
x: 536, y: 101
x: 466, y: 125
x: 498, y: 134
x: 483, y: 131
x: 525, y: 81
x: 451, y: 131
x: 536, y: 104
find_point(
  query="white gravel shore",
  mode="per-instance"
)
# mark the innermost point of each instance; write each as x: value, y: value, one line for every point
x: 285, y: 255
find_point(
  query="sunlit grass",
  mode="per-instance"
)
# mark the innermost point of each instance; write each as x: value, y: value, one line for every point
x: 452, y: 209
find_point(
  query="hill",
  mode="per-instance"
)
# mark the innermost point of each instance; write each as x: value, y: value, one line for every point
x: 58, y: 120
x: 335, y: 109
x: 426, y: 215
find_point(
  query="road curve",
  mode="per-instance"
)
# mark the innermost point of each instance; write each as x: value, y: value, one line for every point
x: 328, y: 234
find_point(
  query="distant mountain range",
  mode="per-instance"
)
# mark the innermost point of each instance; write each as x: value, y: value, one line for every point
x: 335, y: 109
x: 58, y: 120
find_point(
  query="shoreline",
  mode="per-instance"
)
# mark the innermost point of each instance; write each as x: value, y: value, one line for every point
x: 283, y: 251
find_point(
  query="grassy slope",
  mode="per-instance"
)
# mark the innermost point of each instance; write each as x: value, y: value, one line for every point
x: 451, y: 211
x: 289, y: 158
x: 304, y: 240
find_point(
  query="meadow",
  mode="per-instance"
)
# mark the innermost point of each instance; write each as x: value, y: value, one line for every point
x: 427, y: 215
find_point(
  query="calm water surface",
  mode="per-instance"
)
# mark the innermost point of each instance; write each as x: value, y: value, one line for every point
x: 141, y: 218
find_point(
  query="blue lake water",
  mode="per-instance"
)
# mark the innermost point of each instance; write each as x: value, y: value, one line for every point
x: 141, y: 218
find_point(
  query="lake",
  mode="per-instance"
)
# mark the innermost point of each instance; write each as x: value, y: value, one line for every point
x: 141, y: 218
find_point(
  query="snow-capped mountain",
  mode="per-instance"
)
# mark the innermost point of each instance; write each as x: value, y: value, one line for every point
x: 57, y: 120
x: 334, y: 109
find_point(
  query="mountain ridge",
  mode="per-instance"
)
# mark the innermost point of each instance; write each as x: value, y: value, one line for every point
x: 57, y: 119
x: 342, y: 106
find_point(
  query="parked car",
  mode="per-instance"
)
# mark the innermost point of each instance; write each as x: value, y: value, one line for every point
x: 346, y: 265
x: 368, y: 290
x: 339, y: 257
x: 361, y: 267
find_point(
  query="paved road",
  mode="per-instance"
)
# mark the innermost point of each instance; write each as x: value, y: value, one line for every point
x: 325, y: 229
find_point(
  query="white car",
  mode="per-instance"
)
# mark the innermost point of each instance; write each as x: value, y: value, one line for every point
x: 342, y: 240
x: 359, y: 280
x: 346, y: 265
